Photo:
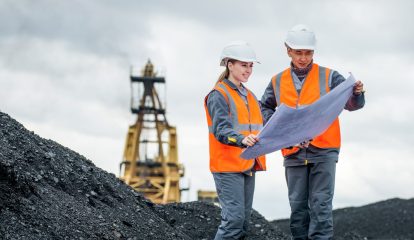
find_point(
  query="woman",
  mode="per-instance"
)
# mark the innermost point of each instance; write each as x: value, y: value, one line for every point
x: 234, y: 118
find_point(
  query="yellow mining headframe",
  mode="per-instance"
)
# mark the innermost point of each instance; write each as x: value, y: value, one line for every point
x: 150, y: 163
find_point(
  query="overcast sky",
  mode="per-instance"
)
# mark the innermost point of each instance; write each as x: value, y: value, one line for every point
x: 65, y: 69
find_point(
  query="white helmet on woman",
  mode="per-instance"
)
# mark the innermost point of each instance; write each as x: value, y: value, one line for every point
x: 238, y: 50
x: 301, y: 37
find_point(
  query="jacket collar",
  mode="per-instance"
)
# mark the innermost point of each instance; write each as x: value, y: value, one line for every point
x: 242, y: 90
x: 232, y: 85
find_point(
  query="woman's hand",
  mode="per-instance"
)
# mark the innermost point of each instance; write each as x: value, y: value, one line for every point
x: 304, y: 144
x: 250, y: 140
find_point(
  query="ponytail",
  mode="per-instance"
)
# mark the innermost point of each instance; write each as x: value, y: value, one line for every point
x: 225, y: 74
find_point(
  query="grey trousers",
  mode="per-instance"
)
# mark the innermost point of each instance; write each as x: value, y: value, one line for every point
x: 311, y: 190
x: 235, y: 192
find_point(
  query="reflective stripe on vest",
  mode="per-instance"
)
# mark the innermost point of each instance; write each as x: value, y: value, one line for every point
x: 285, y: 92
x: 246, y: 119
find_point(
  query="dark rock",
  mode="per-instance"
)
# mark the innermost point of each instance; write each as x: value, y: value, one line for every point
x: 390, y: 219
x: 190, y: 218
x: 48, y: 191
x: 45, y: 198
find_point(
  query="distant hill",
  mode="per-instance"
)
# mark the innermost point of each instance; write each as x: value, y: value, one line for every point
x: 389, y: 219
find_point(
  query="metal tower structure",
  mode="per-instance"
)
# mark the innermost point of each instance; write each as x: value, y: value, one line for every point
x: 150, y: 162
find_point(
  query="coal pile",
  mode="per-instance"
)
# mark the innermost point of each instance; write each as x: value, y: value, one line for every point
x: 51, y: 192
x: 200, y: 220
x: 389, y: 219
x: 48, y: 191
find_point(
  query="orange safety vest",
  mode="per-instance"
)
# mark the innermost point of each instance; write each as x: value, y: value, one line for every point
x: 315, y: 85
x: 246, y: 119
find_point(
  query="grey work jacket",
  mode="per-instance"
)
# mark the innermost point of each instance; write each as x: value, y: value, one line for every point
x: 311, y: 154
x: 219, y: 111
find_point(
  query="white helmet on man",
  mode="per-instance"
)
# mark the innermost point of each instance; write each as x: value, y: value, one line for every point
x: 238, y: 50
x: 301, y: 37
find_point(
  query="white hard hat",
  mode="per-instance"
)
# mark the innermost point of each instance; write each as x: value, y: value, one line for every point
x: 238, y: 50
x: 301, y: 37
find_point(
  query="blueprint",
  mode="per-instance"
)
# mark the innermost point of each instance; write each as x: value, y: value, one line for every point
x: 289, y: 126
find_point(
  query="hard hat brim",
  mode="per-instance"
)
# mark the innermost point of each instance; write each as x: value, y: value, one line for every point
x: 224, y: 61
x: 299, y: 47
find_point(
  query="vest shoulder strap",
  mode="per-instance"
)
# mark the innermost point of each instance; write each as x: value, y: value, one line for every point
x: 276, y: 85
x: 222, y: 89
x: 325, y: 78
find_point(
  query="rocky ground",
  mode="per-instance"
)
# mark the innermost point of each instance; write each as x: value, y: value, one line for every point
x: 390, y: 219
x: 200, y: 220
x: 51, y: 192
x: 48, y: 191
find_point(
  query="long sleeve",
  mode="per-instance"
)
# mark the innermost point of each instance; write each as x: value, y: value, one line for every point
x: 355, y: 102
x: 268, y: 103
x: 222, y: 124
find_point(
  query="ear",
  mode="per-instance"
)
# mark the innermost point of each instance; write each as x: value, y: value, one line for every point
x: 288, y: 50
x: 230, y: 66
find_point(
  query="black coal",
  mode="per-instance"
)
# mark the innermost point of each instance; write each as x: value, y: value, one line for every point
x: 48, y: 191
x: 200, y: 220
x: 389, y: 219
x: 51, y: 192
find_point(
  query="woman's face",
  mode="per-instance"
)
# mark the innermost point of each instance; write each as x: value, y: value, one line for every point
x: 240, y: 71
x: 301, y: 58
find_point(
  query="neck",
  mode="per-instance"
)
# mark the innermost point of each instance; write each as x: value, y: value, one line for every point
x: 235, y: 82
x: 301, y: 72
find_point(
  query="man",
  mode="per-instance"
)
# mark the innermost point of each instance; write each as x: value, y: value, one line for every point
x: 309, y: 166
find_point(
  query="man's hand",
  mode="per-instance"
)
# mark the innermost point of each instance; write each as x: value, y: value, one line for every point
x: 250, y: 140
x: 358, y: 87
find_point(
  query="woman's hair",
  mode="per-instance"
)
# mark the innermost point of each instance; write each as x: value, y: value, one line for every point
x: 225, y: 73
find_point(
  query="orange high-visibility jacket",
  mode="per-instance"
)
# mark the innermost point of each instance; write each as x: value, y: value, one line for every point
x: 315, y: 85
x: 246, y: 119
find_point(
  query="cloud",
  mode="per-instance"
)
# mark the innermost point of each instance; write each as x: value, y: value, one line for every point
x: 103, y: 29
x: 66, y: 65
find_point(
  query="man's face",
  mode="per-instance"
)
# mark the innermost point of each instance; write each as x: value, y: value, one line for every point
x: 301, y: 58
